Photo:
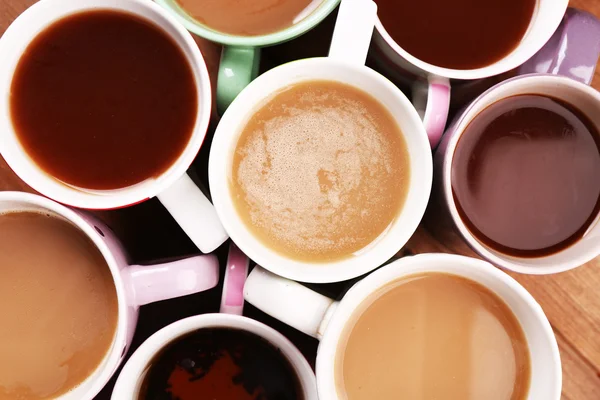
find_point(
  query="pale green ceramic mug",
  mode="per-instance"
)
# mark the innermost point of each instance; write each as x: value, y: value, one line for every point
x: 240, y: 58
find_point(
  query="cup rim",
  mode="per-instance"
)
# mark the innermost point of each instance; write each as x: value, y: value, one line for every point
x: 404, y: 267
x: 134, y: 371
x: 26, y: 168
x: 383, y: 248
x: 458, y: 129
x: 482, y: 72
x: 111, y: 359
x: 306, y: 24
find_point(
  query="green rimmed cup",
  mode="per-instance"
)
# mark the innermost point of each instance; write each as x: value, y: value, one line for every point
x: 240, y: 58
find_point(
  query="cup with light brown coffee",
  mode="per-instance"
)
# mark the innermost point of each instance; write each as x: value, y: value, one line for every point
x: 69, y: 299
x: 425, y: 326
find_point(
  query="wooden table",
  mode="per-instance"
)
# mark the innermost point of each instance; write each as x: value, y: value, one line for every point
x: 571, y: 300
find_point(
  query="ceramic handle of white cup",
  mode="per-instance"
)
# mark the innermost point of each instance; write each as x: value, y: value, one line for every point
x: 572, y: 51
x: 289, y: 302
x: 194, y: 213
x: 152, y: 283
x: 353, y: 31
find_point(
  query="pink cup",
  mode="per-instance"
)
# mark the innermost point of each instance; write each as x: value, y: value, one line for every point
x: 136, y: 285
x: 230, y: 316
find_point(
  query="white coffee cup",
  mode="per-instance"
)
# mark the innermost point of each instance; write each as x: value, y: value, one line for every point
x: 133, y: 374
x: 328, y: 320
x: 135, y: 285
x: 174, y: 188
x: 345, y: 64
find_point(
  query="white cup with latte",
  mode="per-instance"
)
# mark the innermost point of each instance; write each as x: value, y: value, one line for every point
x: 331, y: 174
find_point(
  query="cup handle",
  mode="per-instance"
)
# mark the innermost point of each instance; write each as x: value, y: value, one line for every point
x: 432, y: 101
x: 572, y: 51
x: 152, y: 283
x: 353, y: 31
x: 236, y: 272
x: 289, y: 302
x: 239, y: 67
x: 194, y: 213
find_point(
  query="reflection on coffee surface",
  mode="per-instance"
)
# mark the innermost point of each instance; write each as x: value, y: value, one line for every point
x: 457, y: 34
x: 434, y: 336
x: 58, y: 305
x: 221, y: 364
x: 525, y: 175
x: 320, y: 171
x: 103, y: 100
x: 249, y: 17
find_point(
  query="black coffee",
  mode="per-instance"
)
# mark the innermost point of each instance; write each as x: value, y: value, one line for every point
x: 221, y: 364
x: 526, y: 175
x: 460, y: 34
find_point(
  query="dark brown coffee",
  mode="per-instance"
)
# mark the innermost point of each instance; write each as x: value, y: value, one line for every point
x: 525, y: 175
x: 458, y: 34
x: 221, y: 364
x: 103, y: 100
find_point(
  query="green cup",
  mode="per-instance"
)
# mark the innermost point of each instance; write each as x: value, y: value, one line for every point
x: 240, y: 58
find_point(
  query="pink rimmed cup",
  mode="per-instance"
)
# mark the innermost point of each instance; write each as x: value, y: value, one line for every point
x: 567, y: 78
x: 432, y: 84
x: 174, y: 188
x: 132, y: 376
x: 135, y: 285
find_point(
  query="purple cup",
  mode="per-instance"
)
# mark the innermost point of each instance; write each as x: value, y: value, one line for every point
x: 562, y: 69
x: 431, y: 84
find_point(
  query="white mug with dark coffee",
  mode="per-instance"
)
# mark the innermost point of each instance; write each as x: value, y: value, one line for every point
x: 107, y: 104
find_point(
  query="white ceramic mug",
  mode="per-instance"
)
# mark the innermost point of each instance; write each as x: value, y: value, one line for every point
x: 328, y: 320
x: 345, y: 64
x: 135, y: 285
x: 133, y: 374
x: 174, y: 188
x: 431, y: 83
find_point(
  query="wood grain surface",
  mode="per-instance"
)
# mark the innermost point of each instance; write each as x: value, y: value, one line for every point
x: 571, y: 300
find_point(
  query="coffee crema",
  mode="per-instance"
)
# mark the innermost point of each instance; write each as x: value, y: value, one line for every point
x: 103, y: 100
x: 457, y: 34
x: 320, y: 171
x: 58, y: 304
x: 220, y: 364
x: 525, y: 175
x: 434, y: 336
x: 249, y: 17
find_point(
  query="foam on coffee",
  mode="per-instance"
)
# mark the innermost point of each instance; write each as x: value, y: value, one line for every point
x: 320, y: 171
